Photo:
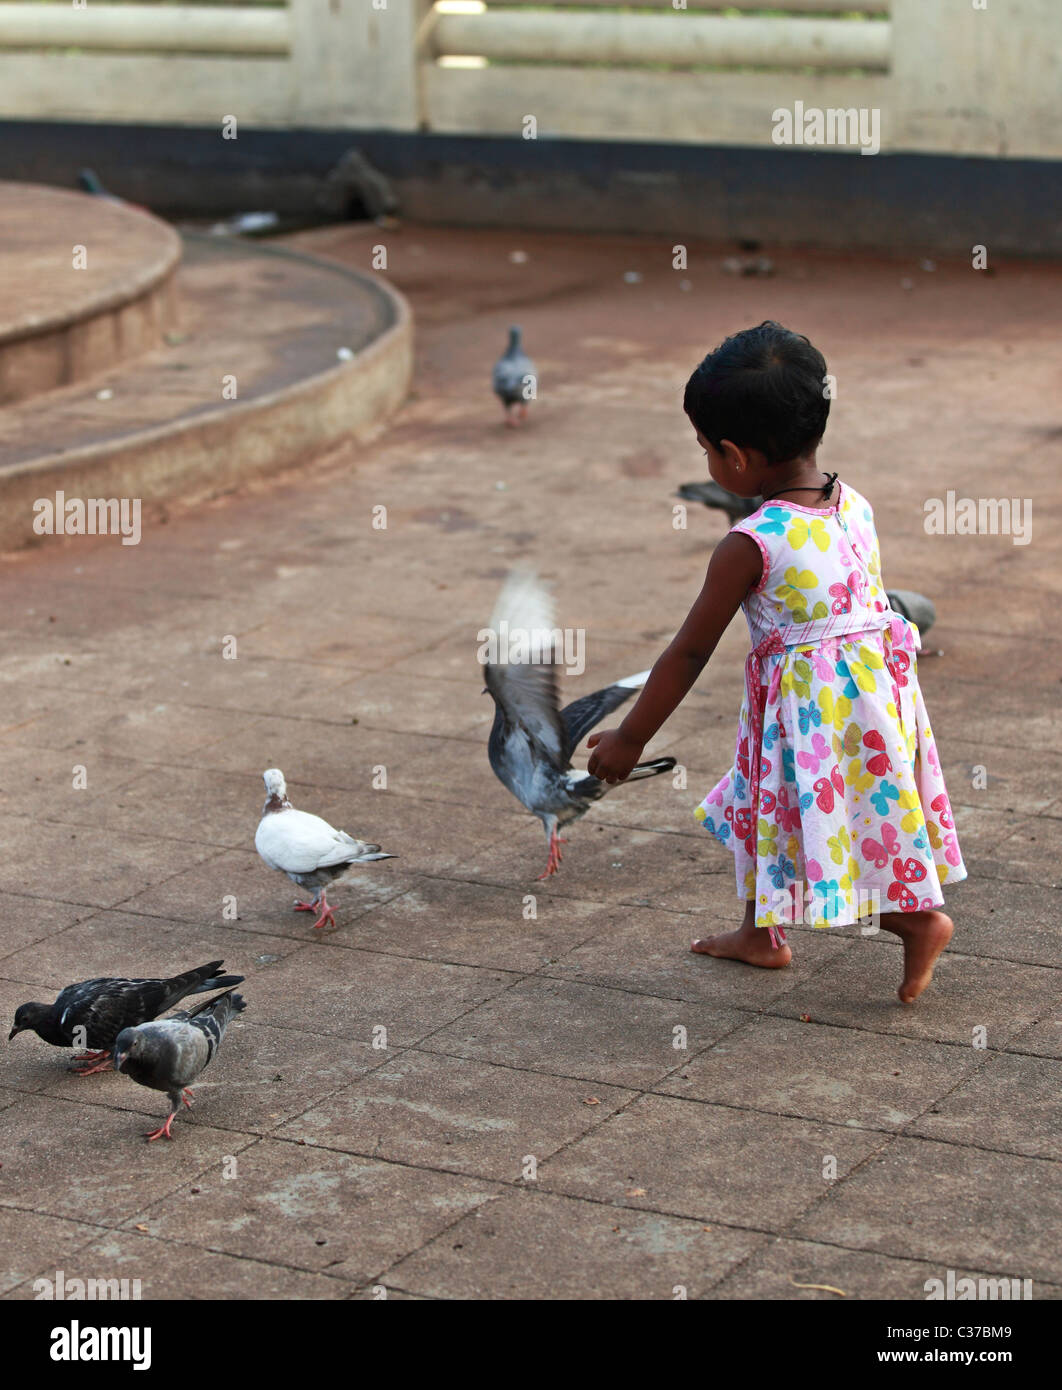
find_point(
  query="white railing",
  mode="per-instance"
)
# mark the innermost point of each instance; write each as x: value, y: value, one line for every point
x: 943, y: 75
x: 679, y: 39
x: 147, y: 28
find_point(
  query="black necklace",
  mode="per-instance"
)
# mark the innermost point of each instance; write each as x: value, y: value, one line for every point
x: 823, y: 492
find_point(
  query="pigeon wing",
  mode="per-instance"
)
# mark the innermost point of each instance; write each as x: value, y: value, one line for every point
x: 172, y: 1053
x: 526, y: 691
x: 104, y: 1007
x: 299, y: 842
x: 581, y: 715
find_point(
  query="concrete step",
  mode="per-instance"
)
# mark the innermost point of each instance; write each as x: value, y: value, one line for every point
x: 85, y: 283
x: 313, y: 351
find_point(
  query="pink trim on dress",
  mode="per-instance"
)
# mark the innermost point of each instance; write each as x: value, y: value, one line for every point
x: 750, y: 535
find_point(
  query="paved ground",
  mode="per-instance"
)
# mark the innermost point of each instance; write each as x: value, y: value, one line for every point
x: 813, y: 1131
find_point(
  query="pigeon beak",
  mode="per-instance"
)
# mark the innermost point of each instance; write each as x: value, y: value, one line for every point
x: 118, y: 1059
x: 14, y: 1031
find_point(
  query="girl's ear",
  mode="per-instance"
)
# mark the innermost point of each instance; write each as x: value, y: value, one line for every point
x: 735, y: 457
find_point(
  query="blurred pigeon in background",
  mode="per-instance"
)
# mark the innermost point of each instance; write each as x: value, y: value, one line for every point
x: 532, y: 739
x: 169, y: 1055
x: 916, y: 608
x: 712, y: 495
x: 93, y: 1013
x: 355, y: 189
x: 514, y: 374
x: 310, y: 851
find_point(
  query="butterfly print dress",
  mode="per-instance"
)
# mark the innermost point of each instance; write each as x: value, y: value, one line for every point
x: 835, y: 807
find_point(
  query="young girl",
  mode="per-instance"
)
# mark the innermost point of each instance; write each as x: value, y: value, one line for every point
x: 835, y: 809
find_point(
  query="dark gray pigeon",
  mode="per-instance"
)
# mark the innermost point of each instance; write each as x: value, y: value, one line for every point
x: 102, y: 1008
x: 532, y: 739
x: 170, y: 1054
x: 712, y: 495
x: 310, y: 851
x: 354, y: 188
x: 513, y: 376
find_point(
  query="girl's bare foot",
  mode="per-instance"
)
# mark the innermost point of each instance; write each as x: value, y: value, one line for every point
x: 749, y: 943
x: 924, y: 936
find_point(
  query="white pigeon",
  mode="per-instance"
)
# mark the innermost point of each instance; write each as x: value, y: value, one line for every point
x: 310, y: 851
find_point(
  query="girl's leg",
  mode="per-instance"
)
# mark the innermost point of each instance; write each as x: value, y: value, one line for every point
x: 924, y: 936
x: 749, y: 943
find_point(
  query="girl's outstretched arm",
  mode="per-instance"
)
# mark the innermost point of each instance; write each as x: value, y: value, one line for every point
x: 736, y: 566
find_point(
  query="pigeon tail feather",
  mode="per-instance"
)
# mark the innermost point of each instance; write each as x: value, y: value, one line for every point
x: 212, y: 1003
x: 652, y: 767
x: 635, y: 682
x: 218, y: 982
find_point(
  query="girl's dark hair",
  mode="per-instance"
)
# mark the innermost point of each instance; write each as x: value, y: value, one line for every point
x: 761, y: 389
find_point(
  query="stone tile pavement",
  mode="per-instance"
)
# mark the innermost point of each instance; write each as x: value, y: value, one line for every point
x: 530, y: 1129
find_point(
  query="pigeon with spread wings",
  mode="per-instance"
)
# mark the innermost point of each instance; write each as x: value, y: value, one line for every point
x: 532, y: 738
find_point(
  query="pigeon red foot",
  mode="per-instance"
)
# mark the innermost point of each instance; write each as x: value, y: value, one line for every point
x: 553, y: 863
x: 320, y: 902
x: 87, y: 1063
x: 162, y: 1129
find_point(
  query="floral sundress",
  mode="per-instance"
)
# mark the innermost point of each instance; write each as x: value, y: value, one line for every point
x: 834, y: 747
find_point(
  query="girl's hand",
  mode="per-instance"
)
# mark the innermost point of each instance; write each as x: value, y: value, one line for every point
x: 614, y: 755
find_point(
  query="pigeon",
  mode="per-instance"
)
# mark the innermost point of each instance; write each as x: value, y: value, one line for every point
x: 532, y: 738
x: 101, y: 1008
x: 712, y: 495
x: 170, y: 1054
x: 310, y: 851
x: 513, y: 373
x: 354, y: 189
x: 916, y: 608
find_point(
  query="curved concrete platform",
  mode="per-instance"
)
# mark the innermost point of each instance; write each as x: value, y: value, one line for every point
x: 277, y: 355
x: 84, y: 283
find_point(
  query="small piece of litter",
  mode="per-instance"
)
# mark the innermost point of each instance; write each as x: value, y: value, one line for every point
x: 105, y: 395
x: 345, y: 354
x: 591, y: 1100
x: 635, y: 1192
x: 518, y: 257
x: 805, y: 1018
x: 826, y: 1288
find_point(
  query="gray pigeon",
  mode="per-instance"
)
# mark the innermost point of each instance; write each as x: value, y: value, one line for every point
x: 916, y: 608
x: 712, y: 495
x: 92, y: 1014
x: 310, y: 851
x: 514, y: 376
x: 168, y: 1055
x: 532, y: 739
